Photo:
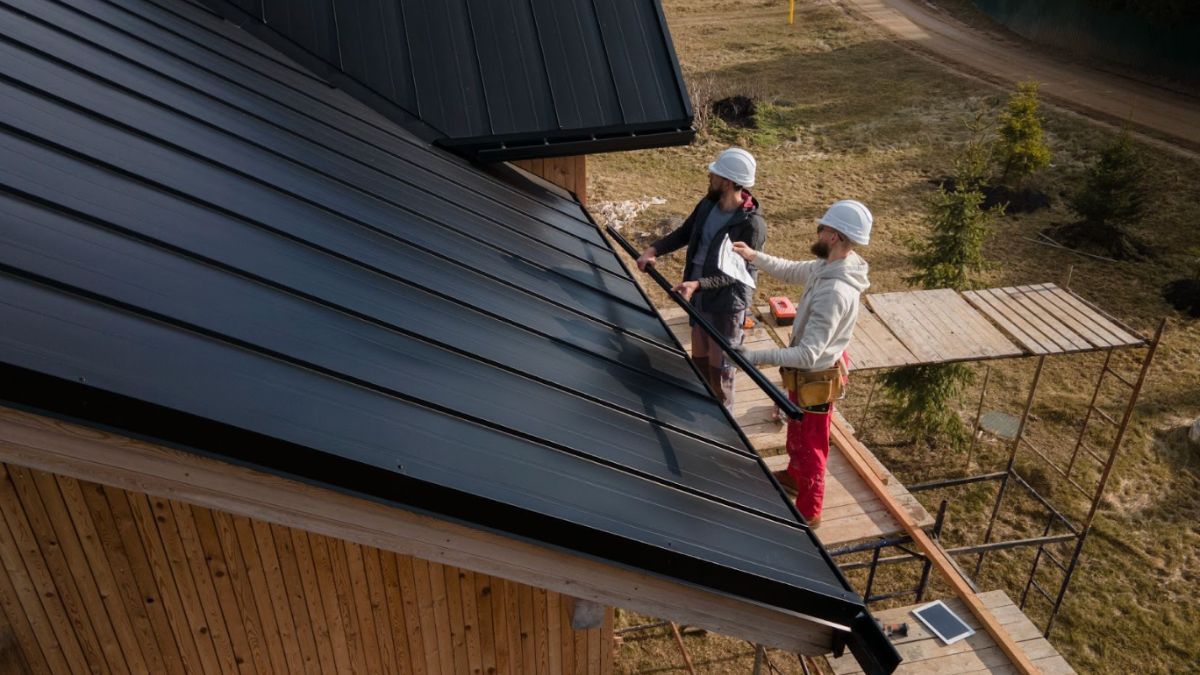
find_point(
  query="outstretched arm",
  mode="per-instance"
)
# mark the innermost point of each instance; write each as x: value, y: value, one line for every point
x: 818, y: 334
x: 674, y: 241
x: 791, y: 271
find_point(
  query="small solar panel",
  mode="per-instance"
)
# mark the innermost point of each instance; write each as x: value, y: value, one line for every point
x: 944, y: 623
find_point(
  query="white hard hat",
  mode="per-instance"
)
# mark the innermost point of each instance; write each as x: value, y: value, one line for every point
x: 737, y: 165
x: 851, y: 218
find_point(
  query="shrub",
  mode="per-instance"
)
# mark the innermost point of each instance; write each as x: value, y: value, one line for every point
x: 1112, y: 199
x: 952, y: 254
x: 922, y: 399
x: 1114, y: 193
x: 1020, y: 148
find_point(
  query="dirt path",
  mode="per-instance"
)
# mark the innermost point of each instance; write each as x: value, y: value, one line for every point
x: 1107, y: 97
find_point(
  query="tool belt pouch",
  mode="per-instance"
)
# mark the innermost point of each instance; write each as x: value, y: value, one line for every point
x: 814, y: 387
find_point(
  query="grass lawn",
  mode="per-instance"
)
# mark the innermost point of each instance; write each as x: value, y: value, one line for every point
x: 844, y: 113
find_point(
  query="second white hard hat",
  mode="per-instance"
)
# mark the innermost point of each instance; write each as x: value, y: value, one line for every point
x: 737, y: 165
x: 851, y: 218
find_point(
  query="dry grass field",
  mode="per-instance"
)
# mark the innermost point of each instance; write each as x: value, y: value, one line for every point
x: 844, y: 112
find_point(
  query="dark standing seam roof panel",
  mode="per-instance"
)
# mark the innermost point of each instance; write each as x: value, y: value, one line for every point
x: 203, y: 244
x: 494, y: 80
x: 438, y: 40
x: 645, y: 60
x: 584, y: 93
x: 514, y: 73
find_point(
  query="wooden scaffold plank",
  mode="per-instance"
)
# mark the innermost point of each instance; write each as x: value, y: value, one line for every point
x: 939, y: 326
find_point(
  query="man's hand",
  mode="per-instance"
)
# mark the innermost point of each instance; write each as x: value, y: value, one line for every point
x: 746, y: 353
x: 743, y: 249
x: 686, y: 289
x: 647, y: 258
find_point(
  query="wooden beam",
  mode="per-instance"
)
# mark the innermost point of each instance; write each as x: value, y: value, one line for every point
x: 568, y: 173
x: 934, y: 553
x: 90, y: 454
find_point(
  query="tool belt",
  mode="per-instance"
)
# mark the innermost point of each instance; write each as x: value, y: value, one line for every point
x: 816, y: 387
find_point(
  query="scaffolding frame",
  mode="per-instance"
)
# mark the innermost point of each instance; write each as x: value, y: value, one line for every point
x: 1076, y: 532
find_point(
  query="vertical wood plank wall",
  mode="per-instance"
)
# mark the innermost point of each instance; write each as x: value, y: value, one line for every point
x: 95, y: 579
x: 569, y: 173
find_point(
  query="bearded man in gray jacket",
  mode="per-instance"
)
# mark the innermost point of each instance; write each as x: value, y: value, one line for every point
x: 728, y: 210
x: 824, y: 324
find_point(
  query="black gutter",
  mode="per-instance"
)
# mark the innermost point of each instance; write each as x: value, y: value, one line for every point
x: 488, y: 150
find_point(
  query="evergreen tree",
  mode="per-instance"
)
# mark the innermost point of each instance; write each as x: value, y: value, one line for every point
x: 923, y: 398
x: 1020, y: 148
x: 1114, y: 193
x: 950, y: 257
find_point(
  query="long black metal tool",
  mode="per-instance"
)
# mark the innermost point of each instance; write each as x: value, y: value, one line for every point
x: 761, y: 380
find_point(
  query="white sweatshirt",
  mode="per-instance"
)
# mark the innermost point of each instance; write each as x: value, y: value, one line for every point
x: 825, y: 314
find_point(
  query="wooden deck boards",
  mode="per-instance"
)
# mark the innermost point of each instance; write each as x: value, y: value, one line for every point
x: 940, y: 326
x: 875, y: 346
x: 943, y: 326
x: 924, y: 653
x: 1046, y: 319
x: 851, y: 510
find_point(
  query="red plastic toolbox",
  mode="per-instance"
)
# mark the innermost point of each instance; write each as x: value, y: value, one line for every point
x: 782, y: 310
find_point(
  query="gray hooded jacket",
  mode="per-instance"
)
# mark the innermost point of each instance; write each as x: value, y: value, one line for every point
x: 826, y: 312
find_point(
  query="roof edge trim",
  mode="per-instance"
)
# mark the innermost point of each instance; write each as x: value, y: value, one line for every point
x: 489, y: 150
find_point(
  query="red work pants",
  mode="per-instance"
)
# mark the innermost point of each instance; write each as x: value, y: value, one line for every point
x: 808, y: 451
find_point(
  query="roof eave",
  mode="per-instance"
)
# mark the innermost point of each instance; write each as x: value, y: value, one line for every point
x: 108, y: 456
x: 587, y: 142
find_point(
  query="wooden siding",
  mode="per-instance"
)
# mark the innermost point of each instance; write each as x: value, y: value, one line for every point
x: 569, y: 173
x: 96, y: 579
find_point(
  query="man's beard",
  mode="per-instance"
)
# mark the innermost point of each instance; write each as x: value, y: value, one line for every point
x: 820, y: 249
x: 714, y: 194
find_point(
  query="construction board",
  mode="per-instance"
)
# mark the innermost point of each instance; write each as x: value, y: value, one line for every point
x: 1047, y: 319
x: 939, y: 326
x: 875, y: 346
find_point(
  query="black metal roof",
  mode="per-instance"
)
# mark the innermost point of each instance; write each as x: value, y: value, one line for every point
x: 202, y: 244
x: 493, y: 80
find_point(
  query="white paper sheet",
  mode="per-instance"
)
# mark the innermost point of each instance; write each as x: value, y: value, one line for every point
x: 732, y: 265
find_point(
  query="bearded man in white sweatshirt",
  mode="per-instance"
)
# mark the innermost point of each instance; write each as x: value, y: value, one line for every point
x: 824, y: 324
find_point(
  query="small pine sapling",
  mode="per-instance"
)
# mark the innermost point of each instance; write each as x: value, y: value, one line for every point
x: 1110, y: 202
x: 1114, y: 192
x: 950, y: 257
x: 1020, y: 148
